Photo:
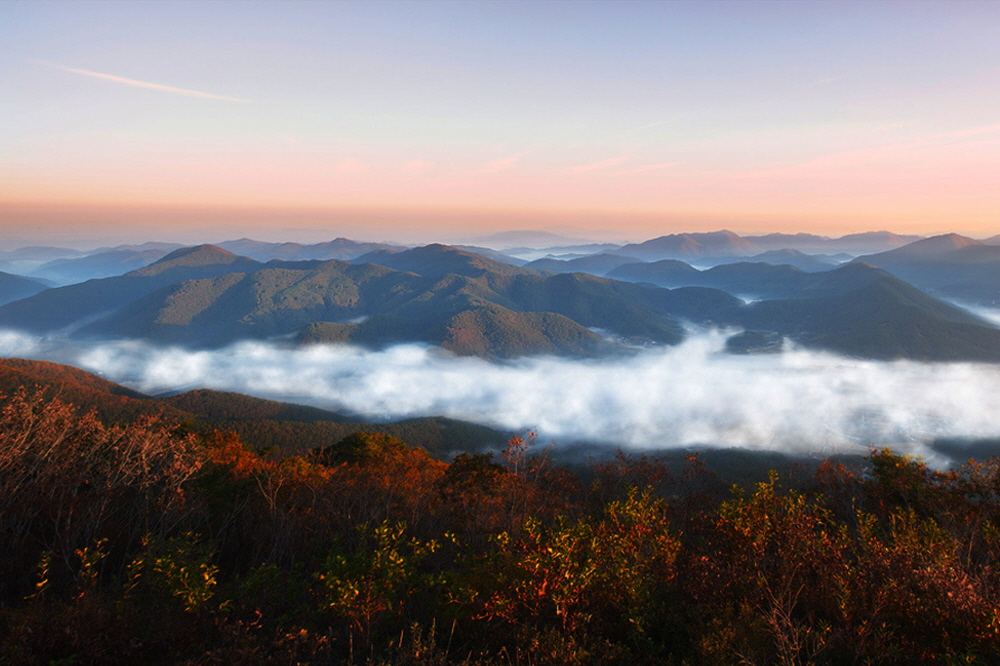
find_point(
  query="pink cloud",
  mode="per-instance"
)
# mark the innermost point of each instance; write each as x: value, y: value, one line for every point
x: 659, y: 166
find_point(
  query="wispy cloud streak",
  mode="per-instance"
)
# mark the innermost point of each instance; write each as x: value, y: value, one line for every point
x: 599, y: 165
x: 143, y: 84
x: 659, y: 166
x: 502, y: 164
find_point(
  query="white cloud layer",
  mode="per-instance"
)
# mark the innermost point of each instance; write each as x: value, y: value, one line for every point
x: 689, y: 395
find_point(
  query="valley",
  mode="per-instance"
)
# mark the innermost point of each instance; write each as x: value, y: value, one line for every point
x: 650, y: 354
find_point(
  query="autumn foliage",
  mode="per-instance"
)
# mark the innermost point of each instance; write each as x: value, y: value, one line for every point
x: 139, y: 543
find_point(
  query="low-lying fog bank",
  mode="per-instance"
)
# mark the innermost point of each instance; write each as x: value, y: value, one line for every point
x: 690, y: 395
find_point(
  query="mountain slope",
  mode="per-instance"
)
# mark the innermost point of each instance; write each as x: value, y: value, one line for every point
x: 882, y: 318
x: 439, y: 260
x: 493, y: 331
x: 343, y: 249
x: 667, y: 273
x: 15, y: 287
x: 68, y: 307
x: 260, y: 424
x: 595, y: 264
x: 951, y: 265
x: 811, y: 263
x: 474, y: 305
x: 372, y: 304
x: 754, y: 280
x: 110, y: 401
x: 206, y: 296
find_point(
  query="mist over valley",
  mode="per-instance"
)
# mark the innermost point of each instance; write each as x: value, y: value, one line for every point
x: 646, y: 353
x: 632, y: 365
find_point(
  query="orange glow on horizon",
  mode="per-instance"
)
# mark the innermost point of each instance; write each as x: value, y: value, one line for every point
x: 937, y: 184
x: 207, y: 223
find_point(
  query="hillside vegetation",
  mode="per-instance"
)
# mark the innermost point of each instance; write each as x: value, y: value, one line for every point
x: 264, y: 425
x: 144, y: 543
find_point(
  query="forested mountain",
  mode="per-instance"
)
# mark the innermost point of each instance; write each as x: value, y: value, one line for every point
x: 856, y: 309
x: 65, y: 266
x: 464, y: 302
x: 667, y: 273
x: 861, y: 311
x: 137, y: 542
x: 749, y: 279
x: 470, y: 304
x: 438, y: 260
x: 950, y: 265
x: 634, y: 270
x: 339, y: 248
x: 63, y: 307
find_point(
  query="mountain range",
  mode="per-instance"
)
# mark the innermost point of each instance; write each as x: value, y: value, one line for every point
x: 807, y: 251
x: 206, y: 296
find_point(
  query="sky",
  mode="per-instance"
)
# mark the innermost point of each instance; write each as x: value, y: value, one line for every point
x: 201, y: 121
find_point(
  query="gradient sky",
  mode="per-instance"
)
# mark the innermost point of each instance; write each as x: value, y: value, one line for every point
x: 417, y: 120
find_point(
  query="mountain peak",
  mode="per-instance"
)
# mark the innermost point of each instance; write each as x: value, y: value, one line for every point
x: 926, y: 248
x: 942, y: 243
x: 722, y: 243
x: 197, y: 255
x: 436, y: 260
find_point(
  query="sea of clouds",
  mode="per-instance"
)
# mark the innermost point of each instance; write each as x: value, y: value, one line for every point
x: 693, y: 394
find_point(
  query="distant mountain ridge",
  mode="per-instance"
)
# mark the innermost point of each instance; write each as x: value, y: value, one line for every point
x: 470, y: 304
x: 458, y: 292
x: 99, y: 265
x: 718, y: 245
x: 66, y: 266
x: 857, y: 243
x: 953, y: 266
x: 595, y: 264
x: 339, y: 248
x: 678, y: 246
x: 884, y: 319
x: 16, y: 287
